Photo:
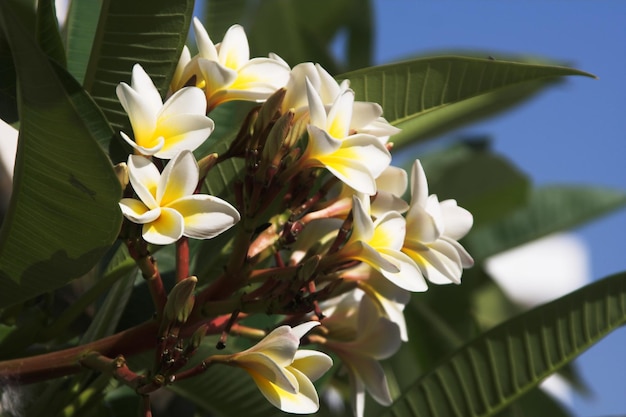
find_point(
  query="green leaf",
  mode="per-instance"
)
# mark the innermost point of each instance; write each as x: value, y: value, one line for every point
x: 80, y: 30
x: 48, y: 34
x: 151, y: 34
x: 498, y: 367
x: 550, y: 209
x: 410, y: 90
x: 64, y: 184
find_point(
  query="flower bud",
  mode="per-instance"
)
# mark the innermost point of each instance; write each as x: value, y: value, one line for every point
x: 181, y: 300
x: 121, y: 171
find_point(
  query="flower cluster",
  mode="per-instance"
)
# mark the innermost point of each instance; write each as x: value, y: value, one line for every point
x: 324, y: 238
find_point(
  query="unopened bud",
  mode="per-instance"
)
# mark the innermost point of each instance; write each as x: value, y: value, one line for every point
x: 121, y: 171
x: 180, y: 300
x: 276, y: 138
x: 269, y: 110
x: 206, y: 163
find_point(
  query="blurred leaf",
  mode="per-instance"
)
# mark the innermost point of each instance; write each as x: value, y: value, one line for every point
x: 550, y: 209
x: 412, y: 89
x: 80, y: 29
x: 148, y: 33
x: 122, y: 270
x: 43, y: 243
x: 498, y: 367
x: 360, y: 33
x: 487, y: 185
x: 8, y: 83
x: 48, y: 34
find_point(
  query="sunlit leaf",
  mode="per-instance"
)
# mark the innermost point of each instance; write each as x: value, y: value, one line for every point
x: 409, y: 90
x: 501, y: 365
x: 550, y: 209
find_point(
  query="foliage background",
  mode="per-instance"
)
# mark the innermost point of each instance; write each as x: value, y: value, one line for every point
x: 572, y: 133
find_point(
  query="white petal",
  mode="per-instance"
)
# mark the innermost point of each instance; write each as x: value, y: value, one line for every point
x: 179, y: 179
x: 296, y: 95
x: 364, y: 113
x: 421, y: 226
x: 393, y: 180
x: 177, y: 78
x: 187, y: 100
x: 317, y: 111
x: 312, y: 363
x: 137, y: 212
x: 141, y: 112
x: 184, y: 132
x: 328, y: 89
x: 144, y: 177
x: 216, y: 76
x: 265, y: 366
x: 279, y: 345
x: 419, y: 185
x: 206, y: 48
x: 302, y: 329
x: 320, y: 142
x: 370, y: 151
x: 141, y: 149
x: 143, y: 85
x: 234, y: 50
x: 408, y: 277
x: 340, y: 115
x: 389, y: 231
x: 458, y: 221
x: 167, y: 229
x: 205, y: 216
x: 362, y: 224
x: 263, y: 74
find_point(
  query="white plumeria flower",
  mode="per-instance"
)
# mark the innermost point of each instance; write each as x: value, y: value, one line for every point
x: 389, y: 298
x: 163, y: 130
x: 168, y: 208
x: 283, y: 373
x: 225, y: 71
x: 378, y: 243
x: 433, y: 229
x: 361, y: 337
x: 357, y: 159
x: 366, y: 116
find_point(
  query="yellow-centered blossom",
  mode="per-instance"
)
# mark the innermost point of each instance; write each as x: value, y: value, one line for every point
x: 167, y: 206
x: 163, y: 129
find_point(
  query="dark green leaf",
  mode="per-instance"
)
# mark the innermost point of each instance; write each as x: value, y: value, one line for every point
x: 48, y: 34
x: 64, y: 184
x: 550, y: 209
x: 409, y: 90
x: 498, y: 367
x: 80, y: 29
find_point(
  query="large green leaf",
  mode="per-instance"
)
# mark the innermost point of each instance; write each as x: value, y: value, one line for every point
x: 80, y: 29
x: 64, y: 184
x: 410, y: 90
x: 150, y: 33
x: 550, y: 209
x: 48, y: 31
x: 504, y: 363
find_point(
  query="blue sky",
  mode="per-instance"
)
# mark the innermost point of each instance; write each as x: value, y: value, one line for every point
x: 574, y: 133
